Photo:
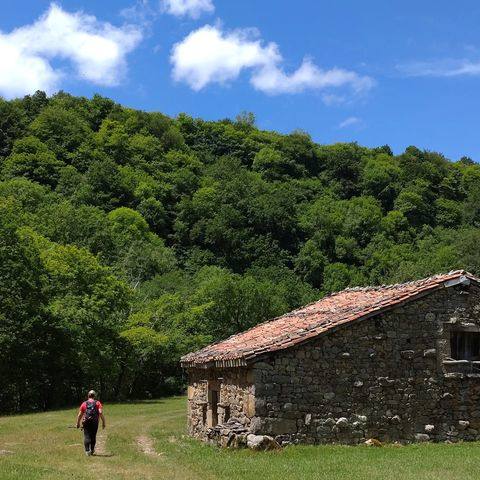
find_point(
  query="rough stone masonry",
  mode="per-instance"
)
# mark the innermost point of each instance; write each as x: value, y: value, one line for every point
x: 394, y: 363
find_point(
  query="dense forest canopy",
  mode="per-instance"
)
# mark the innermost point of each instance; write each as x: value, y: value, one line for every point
x: 129, y: 238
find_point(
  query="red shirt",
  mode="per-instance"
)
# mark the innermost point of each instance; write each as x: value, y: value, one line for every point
x: 83, y: 406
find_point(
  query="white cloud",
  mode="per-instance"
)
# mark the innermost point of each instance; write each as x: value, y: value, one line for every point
x: 272, y: 79
x: 191, y: 8
x: 96, y: 49
x: 209, y: 55
x: 140, y: 12
x: 350, y: 121
x: 21, y: 73
x: 334, y: 99
x: 441, y: 68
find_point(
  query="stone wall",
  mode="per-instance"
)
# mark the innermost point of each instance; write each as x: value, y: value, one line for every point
x: 236, y: 398
x: 388, y: 377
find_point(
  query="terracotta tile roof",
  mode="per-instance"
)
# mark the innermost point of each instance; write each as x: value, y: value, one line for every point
x: 314, y: 319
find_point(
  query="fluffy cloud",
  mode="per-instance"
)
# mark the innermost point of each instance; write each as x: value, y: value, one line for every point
x: 272, y: 79
x: 96, y: 49
x: 209, y: 55
x: 21, y: 73
x: 191, y: 8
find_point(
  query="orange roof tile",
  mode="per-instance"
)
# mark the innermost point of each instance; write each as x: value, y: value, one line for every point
x: 314, y: 319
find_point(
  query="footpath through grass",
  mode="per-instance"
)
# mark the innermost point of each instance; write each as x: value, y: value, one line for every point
x: 147, y: 441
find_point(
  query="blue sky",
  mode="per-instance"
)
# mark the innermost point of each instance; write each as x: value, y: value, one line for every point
x: 377, y: 72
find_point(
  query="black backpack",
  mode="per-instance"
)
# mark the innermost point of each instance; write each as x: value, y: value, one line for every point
x: 91, y: 413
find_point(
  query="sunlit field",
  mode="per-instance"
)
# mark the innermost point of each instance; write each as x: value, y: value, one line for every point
x: 147, y: 440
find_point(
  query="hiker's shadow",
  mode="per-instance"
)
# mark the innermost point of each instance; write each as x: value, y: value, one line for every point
x: 104, y: 455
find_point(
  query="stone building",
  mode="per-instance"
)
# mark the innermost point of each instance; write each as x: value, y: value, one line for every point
x: 394, y: 363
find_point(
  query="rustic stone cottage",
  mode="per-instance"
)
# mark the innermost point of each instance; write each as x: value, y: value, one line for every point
x: 395, y: 363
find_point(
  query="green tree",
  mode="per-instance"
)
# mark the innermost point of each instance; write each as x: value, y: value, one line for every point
x: 63, y: 131
x: 32, y: 159
x: 380, y: 179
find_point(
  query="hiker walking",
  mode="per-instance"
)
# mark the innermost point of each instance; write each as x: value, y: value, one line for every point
x: 88, y: 415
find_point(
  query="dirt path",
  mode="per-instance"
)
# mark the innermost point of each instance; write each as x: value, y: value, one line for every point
x: 145, y: 444
x: 100, y: 447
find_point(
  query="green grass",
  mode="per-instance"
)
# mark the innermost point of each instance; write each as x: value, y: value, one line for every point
x: 40, y: 446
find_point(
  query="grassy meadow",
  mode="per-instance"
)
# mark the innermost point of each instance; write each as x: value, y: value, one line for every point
x: 147, y: 441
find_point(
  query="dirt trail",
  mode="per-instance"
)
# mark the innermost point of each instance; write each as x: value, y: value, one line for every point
x: 101, y: 442
x: 145, y: 444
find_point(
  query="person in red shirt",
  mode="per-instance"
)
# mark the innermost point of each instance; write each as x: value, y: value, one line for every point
x: 90, y: 411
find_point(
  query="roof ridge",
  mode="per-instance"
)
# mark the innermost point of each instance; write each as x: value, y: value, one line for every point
x: 401, y: 284
x: 392, y: 295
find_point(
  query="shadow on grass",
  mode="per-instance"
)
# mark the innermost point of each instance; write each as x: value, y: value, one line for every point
x: 103, y: 455
x: 72, y: 406
x: 145, y: 402
x: 152, y: 401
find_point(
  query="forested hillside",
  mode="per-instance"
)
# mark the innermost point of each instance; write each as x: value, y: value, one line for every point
x: 129, y: 238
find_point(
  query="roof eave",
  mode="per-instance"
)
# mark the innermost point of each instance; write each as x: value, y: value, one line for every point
x: 215, y: 363
x: 252, y: 357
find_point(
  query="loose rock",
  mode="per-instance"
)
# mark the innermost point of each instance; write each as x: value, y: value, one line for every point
x: 262, y: 442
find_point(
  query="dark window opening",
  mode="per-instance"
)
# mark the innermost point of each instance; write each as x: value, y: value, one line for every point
x: 226, y: 415
x: 465, y: 345
x: 213, y: 404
